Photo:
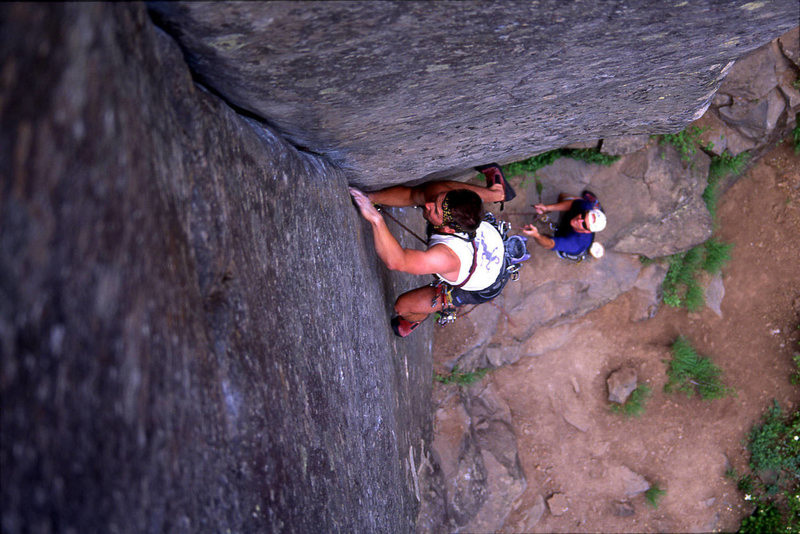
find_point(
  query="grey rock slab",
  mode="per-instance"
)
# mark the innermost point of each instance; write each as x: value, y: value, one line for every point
x: 662, y: 211
x: 646, y: 295
x: 549, y: 339
x: 624, y: 144
x: 577, y: 418
x: 715, y: 131
x: 563, y: 290
x: 503, y: 489
x: 398, y: 91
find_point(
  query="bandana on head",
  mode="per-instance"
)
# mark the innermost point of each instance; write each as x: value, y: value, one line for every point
x: 447, y: 217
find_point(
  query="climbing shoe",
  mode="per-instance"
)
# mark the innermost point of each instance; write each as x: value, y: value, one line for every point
x: 401, y: 327
x: 494, y: 175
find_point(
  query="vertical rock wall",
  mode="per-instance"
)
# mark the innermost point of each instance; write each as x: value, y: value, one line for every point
x: 193, y: 334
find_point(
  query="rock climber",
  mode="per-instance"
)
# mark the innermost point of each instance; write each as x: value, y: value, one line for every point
x: 582, y: 217
x: 464, y: 251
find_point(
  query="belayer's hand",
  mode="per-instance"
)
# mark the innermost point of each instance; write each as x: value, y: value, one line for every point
x: 365, y: 206
x: 530, y: 230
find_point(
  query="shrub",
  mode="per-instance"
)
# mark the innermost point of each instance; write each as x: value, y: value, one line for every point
x: 634, y: 406
x: 686, y: 142
x: 540, y: 161
x: 680, y: 286
x: 717, y: 255
x: 689, y: 372
x: 459, y: 378
x: 774, y: 445
x: 766, y: 519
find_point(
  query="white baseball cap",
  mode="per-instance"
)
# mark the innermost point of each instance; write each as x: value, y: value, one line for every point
x: 595, y: 220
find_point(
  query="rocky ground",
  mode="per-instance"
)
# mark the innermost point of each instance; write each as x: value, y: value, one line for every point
x: 585, y: 468
x: 533, y: 446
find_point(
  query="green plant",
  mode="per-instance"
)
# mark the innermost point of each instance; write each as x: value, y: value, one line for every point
x: 717, y: 255
x: 634, y: 406
x: 681, y: 277
x: 774, y: 445
x: 686, y: 142
x: 766, y: 519
x: 796, y: 134
x: 689, y: 372
x: 721, y: 166
x: 459, y: 378
x: 680, y: 286
x: 653, y: 495
x: 539, y: 161
x: 795, y: 377
x: 590, y: 155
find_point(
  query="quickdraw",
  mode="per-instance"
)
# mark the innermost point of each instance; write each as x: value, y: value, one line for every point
x: 448, y: 312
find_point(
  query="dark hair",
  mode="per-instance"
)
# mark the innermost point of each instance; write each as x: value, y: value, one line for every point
x: 466, y: 211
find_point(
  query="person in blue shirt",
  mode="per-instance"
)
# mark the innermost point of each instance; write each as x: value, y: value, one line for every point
x: 575, y: 234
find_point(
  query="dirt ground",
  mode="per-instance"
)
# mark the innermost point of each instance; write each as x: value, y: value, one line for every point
x: 683, y: 445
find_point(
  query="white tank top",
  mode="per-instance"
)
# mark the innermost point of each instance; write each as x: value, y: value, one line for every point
x: 490, y: 256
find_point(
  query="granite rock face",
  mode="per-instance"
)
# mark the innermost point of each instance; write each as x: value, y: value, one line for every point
x: 400, y: 91
x: 188, y: 343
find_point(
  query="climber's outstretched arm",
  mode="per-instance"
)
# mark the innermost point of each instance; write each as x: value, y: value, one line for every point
x: 402, y: 196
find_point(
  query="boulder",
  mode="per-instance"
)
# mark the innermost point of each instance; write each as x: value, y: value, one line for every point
x: 755, y: 119
x: 753, y: 76
x: 714, y: 293
x: 477, y: 451
x: 533, y: 515
x: 621, y: 384
x: 662, y: 212
x: 623, y: 509
x: 790, y: 45
x: 626, y: 483
x: 558, y: 504
x: 646, y: 293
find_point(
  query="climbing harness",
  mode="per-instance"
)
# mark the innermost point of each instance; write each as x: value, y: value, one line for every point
x: 515, y: 252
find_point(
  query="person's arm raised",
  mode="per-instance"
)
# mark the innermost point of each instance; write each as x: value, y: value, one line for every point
x: 564, y: 205
x: 437, y: 259
x: 543, y: 240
